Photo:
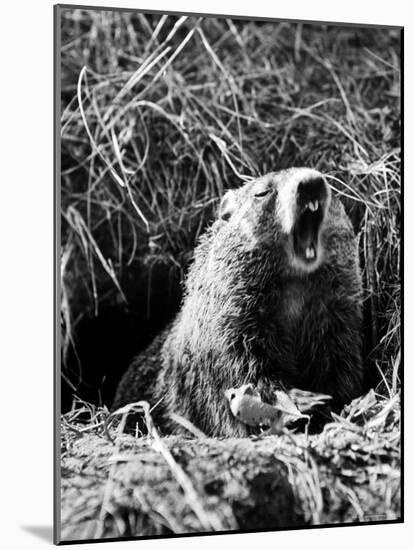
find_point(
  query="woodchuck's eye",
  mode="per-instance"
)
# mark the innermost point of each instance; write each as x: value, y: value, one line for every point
x: 262, y: 193
x: 232, y: 396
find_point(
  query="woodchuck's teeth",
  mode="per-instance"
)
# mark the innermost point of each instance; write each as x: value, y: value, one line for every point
x: 310, y: 253
x: 313, y: 206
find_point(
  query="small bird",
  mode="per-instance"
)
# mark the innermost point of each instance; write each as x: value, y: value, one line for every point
x: 248, y: 407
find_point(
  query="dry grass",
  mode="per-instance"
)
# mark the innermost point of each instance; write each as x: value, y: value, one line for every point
x: 159, y: 116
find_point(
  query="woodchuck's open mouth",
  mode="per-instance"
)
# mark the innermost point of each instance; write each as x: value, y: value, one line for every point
x: 306, y: 232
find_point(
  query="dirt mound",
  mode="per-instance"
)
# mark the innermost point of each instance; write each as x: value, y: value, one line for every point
x: 117, y: 485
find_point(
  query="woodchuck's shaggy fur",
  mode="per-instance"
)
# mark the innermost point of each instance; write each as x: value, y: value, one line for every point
x: 273, y: 297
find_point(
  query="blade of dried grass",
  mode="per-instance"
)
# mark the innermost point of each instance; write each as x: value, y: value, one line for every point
x: 208, y: 521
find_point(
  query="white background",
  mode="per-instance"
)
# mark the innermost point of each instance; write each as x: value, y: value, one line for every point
x: 26, y: 251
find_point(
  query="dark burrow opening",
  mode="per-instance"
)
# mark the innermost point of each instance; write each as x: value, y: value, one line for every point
x: 104, y: 345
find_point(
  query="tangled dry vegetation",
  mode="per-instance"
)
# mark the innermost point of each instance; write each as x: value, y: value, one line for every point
x: 117, y: 485
x: 159, y: 116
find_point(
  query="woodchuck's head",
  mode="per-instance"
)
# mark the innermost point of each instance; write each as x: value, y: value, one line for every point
x: 284, y: 211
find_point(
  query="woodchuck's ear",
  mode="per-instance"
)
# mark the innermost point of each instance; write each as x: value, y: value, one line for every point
x: 227, y: 206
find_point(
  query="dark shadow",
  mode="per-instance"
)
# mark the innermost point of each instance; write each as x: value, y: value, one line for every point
x: 43, y: 532
x: 107, y: 343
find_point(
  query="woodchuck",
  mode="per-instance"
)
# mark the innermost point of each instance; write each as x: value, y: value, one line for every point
x: 272, y: 298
